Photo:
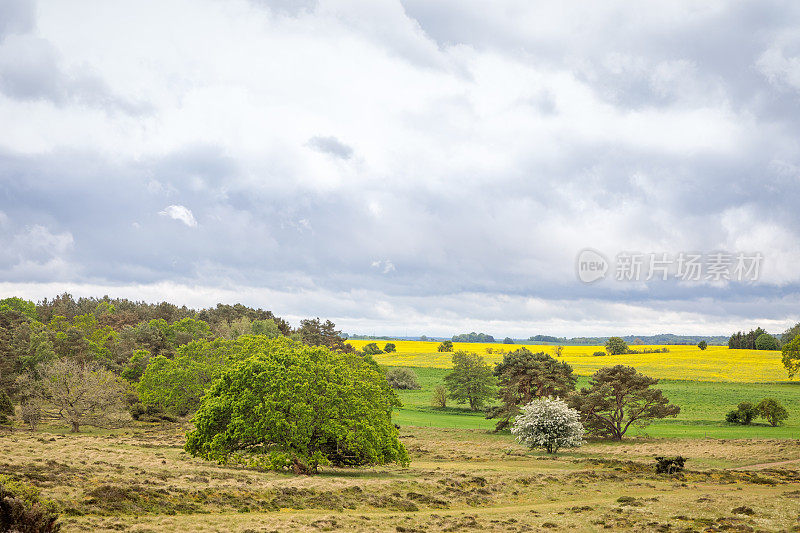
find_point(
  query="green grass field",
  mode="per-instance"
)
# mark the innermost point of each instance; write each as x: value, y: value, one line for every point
x: 703, y: 406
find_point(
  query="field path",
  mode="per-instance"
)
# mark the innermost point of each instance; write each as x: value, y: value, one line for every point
x: 763, y: 466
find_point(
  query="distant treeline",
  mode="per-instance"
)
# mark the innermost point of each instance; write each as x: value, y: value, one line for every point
x: 473, y: 337
x: 663, y: 338
x: 357, y: 337
x: 120, y: 312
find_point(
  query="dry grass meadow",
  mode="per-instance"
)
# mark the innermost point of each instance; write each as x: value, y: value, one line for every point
x: 461, y: 477
x: 139, y: 479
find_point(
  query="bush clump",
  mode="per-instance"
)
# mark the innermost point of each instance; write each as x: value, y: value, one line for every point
x: 743, y: 415
x: 439, y: 398
x: 372, y: 349
x: 769, y: 409
x: 150, y: 413
x: 669, y: 465
x: 22, y: 510
x: 648, y: 350
x: 445, y: 346
x: 31, y: 410
x: 403, y: 379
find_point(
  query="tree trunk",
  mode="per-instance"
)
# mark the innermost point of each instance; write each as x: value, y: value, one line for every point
x: 76, y: 427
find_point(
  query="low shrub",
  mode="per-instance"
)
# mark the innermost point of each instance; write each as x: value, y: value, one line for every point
x: 439, y: 398
x: 599, y: 354
x: 629, y: 500
x: 649, y: 350
x: 402, y: 378
x: 669, y: 465
x: 743, y: 415
x: 150, y: 413
x: 372, y: 349
x: 31, y: 411
x: 21, y: 509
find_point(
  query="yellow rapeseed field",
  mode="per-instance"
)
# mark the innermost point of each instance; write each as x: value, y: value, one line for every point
x: 716, y: 363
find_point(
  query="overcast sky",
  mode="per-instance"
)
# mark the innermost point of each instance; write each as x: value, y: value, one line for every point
x: 404, y: 167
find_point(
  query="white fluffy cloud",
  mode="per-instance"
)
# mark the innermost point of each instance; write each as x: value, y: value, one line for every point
x: 181, y: 213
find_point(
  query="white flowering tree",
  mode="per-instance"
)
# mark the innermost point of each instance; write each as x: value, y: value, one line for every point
x: 548, y: 423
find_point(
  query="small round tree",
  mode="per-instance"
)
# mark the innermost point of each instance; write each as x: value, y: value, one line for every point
x: 439, y: 398
x: 390, y: 347
x: 616, y: 346
x: 79, y: 394
x: 470, y: 381
x: 702, y: 345
x: 771, y: 410
x: 765, y: 341
x: 445, y: 346
x: 548, y: 423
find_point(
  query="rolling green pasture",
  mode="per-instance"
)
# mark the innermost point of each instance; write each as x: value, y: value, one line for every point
x: 703, y: 406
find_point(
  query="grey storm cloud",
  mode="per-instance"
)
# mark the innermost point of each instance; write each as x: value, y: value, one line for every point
x: 330, y: 145
x: 491, y: 145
